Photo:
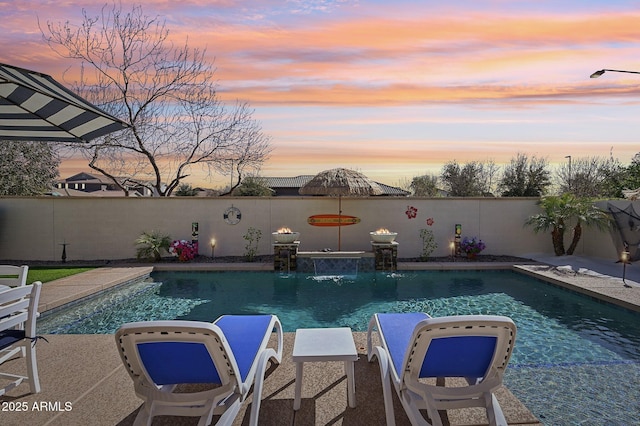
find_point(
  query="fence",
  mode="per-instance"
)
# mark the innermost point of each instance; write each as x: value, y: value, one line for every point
x: 106, y: 228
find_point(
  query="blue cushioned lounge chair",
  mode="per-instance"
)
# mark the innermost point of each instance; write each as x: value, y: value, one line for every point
x: 415, y: 347
x: 229, y: 355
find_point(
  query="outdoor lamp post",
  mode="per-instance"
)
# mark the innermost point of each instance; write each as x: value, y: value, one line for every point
x: 624, y: 259
x: 213, y: 245
x: 599, y: 73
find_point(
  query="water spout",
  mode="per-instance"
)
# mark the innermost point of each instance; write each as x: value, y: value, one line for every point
x: 336, y: 266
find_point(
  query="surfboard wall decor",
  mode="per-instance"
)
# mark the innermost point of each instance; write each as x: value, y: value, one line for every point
x: 332, y: 220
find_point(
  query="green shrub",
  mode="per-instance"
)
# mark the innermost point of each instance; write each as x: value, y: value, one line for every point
x: 252, y: 237
x: 428, y: 243
x: 152, y: 244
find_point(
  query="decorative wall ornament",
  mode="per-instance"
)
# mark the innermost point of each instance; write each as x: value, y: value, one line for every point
x: 232, y: 215
x: 411, y: 212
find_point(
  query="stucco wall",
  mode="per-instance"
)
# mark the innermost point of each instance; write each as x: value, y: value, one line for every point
x: 106, y: 228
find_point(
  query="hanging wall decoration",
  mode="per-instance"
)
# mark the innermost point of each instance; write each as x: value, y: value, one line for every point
x: 232, y: 215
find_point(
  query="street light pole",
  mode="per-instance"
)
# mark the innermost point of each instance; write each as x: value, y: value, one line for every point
x: 599, y: 73
x: 569, y: 157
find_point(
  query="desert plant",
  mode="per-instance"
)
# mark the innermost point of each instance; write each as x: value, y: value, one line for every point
x: 252, y: 237
x: 555, y: 214
x: 559, y: 212
x: 152, y: 245
x: 586, y: 213
x: 428, y: 243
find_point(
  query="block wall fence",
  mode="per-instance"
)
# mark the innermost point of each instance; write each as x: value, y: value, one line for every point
x: 34, y: 228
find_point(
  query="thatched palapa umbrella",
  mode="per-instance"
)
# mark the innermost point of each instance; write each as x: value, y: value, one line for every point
x: 339, y: 182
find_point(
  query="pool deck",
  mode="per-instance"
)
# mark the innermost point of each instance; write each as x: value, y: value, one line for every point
x: 85, y: 370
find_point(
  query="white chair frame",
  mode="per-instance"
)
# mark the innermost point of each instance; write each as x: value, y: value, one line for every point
x: 224, y: 400
x: 13, y: 276
x: 19, y: 308
x: 416, y: 395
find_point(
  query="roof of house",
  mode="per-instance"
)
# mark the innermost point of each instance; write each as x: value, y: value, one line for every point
x: 299, y: 181
x: 84, y: 177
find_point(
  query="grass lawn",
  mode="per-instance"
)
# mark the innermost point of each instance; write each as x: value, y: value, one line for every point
x: 45, y: 274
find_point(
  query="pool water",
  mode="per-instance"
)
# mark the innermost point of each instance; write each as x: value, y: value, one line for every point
x: 576, y: 361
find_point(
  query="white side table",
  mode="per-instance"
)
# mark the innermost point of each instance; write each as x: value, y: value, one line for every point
x: 325, y: 344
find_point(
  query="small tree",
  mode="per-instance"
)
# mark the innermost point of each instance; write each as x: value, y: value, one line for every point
x: 252, y: 237
x: 474, y: 179
x: 632, y: 174
x: 185, y: 190
x: 613, y: 179
x: 591, y: 177
x: 555, y: 214
x: 429, y: 243
x: 525, y: 177
x: 584, y: 212
x: 424, y: 186
x: 253, y: 186
x: 27, y: 168
x: 559, y: 212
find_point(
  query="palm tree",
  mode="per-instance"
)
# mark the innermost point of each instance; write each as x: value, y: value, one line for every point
x: 585, y: 212
x: 559, y: 211
x: 555, y: 214
x: 153, y: 244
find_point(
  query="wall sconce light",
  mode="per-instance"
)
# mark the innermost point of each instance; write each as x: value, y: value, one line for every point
x: 213, y: 245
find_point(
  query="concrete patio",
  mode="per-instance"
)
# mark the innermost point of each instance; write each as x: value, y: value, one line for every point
x: 84, y: 383
x: 86, y: 372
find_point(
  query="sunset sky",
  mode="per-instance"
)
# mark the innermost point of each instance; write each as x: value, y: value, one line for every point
x: 395, y: 89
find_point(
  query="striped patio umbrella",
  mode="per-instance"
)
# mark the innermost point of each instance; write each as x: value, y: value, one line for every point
x: 35, y: 107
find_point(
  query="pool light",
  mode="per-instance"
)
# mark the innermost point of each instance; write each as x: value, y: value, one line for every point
x: 213, y: 245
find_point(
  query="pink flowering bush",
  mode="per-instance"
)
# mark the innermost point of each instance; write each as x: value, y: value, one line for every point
x: 472, y: 245
x: 184, y: 250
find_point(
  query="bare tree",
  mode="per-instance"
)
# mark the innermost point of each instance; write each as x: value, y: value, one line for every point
x: 591, y: 177
x: 166, y: 92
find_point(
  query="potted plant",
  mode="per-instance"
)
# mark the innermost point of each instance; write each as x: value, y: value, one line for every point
x: 472, y: 246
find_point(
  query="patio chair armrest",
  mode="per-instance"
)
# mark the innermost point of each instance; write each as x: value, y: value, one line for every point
x: 384, y: 362
x: 372, y: 325
x: 259, y: 383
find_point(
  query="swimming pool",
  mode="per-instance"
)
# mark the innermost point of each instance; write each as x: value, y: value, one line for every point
x: 570, y: 351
